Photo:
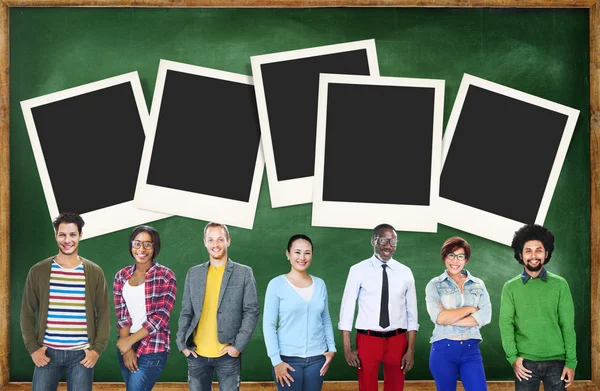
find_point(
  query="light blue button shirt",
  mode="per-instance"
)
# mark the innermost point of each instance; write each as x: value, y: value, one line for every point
x: 443, y: 290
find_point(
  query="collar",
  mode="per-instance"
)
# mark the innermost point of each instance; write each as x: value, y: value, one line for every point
x: 526, y: 277
x: 376, y: 262
x: 131, y: 269
x: 464, y: 272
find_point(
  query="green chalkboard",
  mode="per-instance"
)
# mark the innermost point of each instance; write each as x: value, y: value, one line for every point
x: 541, y: 52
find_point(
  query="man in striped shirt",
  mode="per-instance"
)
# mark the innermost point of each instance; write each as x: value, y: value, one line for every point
x: 65, y: 316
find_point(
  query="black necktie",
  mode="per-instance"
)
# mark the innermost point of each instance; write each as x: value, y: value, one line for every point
x: 384, y: 316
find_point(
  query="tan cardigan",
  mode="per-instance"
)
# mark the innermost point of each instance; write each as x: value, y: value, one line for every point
x: 36, y: 298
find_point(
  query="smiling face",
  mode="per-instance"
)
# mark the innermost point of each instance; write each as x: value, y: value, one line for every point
x: 534, y: 255
x: 300, y: 255
x: 384, y: 244
x: 455, y: 266
x: 142, y: 255
x: 216, y: 242
x: 67, y: 238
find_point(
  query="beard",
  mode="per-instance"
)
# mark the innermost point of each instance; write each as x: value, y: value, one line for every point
x: 534, y: 268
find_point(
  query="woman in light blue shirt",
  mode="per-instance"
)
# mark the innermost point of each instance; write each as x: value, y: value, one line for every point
x: 301, y: 344
x: 459, y: 305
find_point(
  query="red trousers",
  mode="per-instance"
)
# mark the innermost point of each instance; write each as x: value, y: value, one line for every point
x: 372, y: 351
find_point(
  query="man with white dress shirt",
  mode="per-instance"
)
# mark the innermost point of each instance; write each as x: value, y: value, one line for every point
x: 387, y: 322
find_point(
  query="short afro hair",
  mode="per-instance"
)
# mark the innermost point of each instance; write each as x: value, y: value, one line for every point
x: 377, y: 230
x: 532, y: 232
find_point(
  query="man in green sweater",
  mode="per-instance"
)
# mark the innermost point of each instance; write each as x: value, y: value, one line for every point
x: 537, y: 317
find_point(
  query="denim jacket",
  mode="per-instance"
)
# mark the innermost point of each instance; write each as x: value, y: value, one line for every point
x: 443, y: 290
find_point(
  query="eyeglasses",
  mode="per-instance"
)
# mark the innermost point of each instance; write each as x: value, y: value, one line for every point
x: 385, y: 241
x: 147, y: 245
x: 460, y: 257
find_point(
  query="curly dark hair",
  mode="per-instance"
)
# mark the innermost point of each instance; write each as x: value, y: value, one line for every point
x: 532, y: 232
x: 68, y: 218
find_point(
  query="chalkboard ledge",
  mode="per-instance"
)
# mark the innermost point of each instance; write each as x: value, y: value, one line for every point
x: 582, y: 385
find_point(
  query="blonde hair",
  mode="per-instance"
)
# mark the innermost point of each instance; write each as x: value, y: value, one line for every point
x: 212, y: 224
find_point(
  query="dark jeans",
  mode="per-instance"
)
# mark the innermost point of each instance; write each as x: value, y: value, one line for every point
x: 548, y: 372
x: 450, y: 359
x: 79, y: 378
x: 306, y: 373
x: 202, y: 369
x: 150, y: 367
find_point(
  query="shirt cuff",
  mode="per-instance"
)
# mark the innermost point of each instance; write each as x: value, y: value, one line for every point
x: 477, y: 316
x: 123, y: 323
x: 276, y: 359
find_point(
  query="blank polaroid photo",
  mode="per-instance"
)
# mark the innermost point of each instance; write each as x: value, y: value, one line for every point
x: 202, y: 158
x: 378, y: 152
x: 287, y: 89
x: 502, y: 154
x: 87, y: 142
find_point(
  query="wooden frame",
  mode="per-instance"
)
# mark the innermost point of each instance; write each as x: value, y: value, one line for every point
x: 594, y: 42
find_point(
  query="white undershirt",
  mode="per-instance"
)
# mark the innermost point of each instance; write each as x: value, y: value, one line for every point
x: 135, y: 298
x: 462, y: 304
x: 305, y: 293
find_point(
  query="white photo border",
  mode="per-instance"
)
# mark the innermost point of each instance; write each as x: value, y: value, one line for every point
x: 486, y: 224
x: 418, y: 218
x: 300, y: 190
x: 184, y: 203
x: 105, y: 220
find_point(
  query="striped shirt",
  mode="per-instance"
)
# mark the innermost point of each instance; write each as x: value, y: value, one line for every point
x: 66, y: 326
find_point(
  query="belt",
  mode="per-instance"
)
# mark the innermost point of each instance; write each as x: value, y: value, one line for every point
x: 381, y: 334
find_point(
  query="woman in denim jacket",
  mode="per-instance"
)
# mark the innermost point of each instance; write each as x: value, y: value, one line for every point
x: 459, y: 305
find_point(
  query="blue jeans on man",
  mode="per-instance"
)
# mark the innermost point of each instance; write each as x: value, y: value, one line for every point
x: 306, y: 373
x: 201, y: 371
x: 547, y: 372
x: 150, y: 366
x: 79, y: 378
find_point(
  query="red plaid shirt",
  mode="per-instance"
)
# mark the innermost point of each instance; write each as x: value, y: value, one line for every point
x: 161, y: 289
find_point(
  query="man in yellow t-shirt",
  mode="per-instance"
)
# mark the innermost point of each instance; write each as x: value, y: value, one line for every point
x: 218, y: 315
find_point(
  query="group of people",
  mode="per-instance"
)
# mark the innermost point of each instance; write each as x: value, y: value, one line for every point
x: 65, y: 316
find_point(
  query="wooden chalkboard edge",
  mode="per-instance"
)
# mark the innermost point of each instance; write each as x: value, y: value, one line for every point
x: 306, y: 3
x: 595, y: 189
x: 594, y: 38
x: 4, y: 197
x: 328, y: 386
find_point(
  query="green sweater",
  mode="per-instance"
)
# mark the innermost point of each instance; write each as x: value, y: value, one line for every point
x: 537, y: 320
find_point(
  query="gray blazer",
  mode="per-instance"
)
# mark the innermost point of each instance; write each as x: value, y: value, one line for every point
x: 237, y: 312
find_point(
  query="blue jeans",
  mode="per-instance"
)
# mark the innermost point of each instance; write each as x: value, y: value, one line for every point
x: 449, y: 360
x: 548, y: 372
x: 79, y: 378
x: 306, y: 373
x: 150, y: 367
x: 201, y: 371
